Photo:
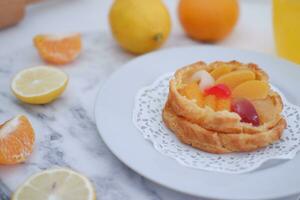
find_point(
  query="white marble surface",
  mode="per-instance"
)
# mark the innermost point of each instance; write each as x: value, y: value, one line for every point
x: 66, y: 134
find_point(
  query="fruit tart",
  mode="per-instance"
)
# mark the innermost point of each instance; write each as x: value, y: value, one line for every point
x: 223, y: 107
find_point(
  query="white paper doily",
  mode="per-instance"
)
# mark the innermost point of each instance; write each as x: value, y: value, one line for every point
x: 147, y: 117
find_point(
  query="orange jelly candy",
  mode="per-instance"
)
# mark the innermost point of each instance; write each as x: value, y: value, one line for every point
x: 192, y: 92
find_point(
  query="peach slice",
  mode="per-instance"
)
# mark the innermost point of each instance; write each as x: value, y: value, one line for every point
x: 254, y: 89
x: 235, y: 78
x: 223, y: 104
x: 221, y: 70
x: 210, y: 101
x: 192, y: 92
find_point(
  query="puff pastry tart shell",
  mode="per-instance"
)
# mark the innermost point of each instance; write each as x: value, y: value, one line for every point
x: 221, y: 131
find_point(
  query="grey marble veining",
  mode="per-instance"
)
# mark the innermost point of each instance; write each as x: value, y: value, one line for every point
x: 66, y: 133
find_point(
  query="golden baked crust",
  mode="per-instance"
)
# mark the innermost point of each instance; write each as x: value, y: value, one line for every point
x: 221, y: 131
x: 218, y: 142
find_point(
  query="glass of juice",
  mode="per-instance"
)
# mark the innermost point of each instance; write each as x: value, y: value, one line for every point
x: 286, y: 21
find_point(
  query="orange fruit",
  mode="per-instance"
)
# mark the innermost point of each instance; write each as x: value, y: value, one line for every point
x: 208, y: 20
x: 16, y: 140
x: 58, y: 49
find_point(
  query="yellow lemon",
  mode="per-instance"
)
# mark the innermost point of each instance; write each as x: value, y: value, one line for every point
x: 39, y: 85
x: 60, y: 183
x: 139, y: 26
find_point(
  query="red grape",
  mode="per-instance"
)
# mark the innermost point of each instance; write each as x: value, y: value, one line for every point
x: 245, y: 109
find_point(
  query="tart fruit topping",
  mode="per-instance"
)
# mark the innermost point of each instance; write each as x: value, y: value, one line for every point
x: 192, y: 92
x: 220, y: 91
x: 221, y: 70
x: 245, y: 109
x: 210, y: 101
x: 206, y: 80
x: 223, y: 104
x: 254, y: 89
x: 235, y: 78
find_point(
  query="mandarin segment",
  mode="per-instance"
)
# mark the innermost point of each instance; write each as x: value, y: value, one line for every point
x: 221, y: 70
x: 235, y: 78
x: 254, y: 89
x: 192, y: 92
x: 58, y: 49
x: 223, y: 104
x: 16, y: 140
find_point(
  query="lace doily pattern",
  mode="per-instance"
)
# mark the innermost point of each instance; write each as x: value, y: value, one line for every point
x: 147, y: 117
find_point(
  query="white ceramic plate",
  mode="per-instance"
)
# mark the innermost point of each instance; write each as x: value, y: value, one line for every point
x: 113, y: 114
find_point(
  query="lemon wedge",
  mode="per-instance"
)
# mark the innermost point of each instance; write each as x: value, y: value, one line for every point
x: 39, y: 85
x: 56, y: 184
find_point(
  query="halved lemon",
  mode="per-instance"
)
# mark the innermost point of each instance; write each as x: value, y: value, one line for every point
x: 56, y: 184
x: 39, y: 85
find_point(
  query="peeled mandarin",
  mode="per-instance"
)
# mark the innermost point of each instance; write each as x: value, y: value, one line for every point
x: 223, y: 104
x: 221, y: 70
x: 235, y: 78
x: 16, y: 140
x: 210, y: 101
x: 58, y: 49
x: 254, y: 89
x: 192, y: 92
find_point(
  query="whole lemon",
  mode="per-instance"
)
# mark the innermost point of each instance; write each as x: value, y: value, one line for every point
x: 139, y: 26
x: 208, y: 20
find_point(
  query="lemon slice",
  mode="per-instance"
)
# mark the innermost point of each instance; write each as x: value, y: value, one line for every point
x: 39, y: 85
x: 56, y: 184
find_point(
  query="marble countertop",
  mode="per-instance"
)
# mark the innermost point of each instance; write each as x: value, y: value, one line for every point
x: 66, y: 133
